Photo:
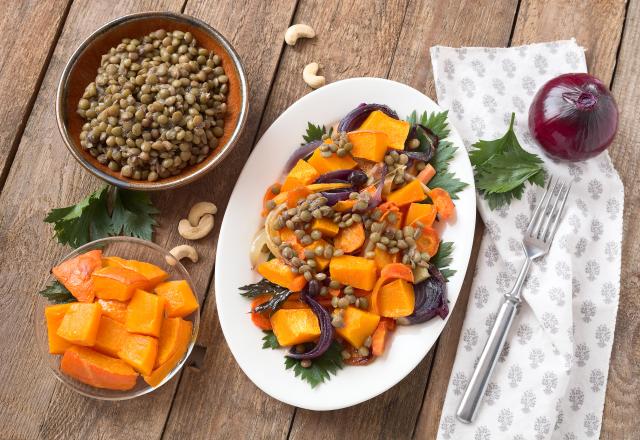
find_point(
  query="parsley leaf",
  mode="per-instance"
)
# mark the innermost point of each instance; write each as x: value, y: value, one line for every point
x: 132, y: 214
x: 321, y: 368
x: 57, y: 293
x: 502, y: 167
x: 314, y: 133
x: 442, y: 259
x: 448, y: 182
x: 270, y: 341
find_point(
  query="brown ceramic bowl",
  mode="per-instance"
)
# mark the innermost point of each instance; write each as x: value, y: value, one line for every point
x: 82, y: 69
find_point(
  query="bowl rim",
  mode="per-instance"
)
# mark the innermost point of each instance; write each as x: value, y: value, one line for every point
x: 182, y: 178
x: 40, y: 303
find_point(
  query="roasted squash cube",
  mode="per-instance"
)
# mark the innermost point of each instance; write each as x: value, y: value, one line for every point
x: 423, y: 212
x: 295, y: 326
x: 326, y: 226
x: 353, y: 271
x: 368, y: 144
x: 180, y: 300
x: 358, y: 325
x: 54, y: 315
x: 396, y: 299
x: 181, y: 346
x: 80, y: 323
x: 98, y: 370
x: 116, y: 310
x: 144, y: 313
x: 331, y: 163
x: 382, y: 258
x: 151, y: 272
x: 170, y: 339
x: 111, y: 336
x: 117, y: 283
x: 140, y: 352
x: 411, y: 192
x: 279, y: 273
x: 75, y: 274
x: 302, y: 173
x: 396, y: 129
x: 113, y: 261
x: 321, y: 261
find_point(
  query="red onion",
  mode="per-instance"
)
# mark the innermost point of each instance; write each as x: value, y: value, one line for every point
x: 573, y: 117
x: 354, y: 119
x: 334, y: 196
x: 300, y: 153
x: 376, y: 198
x: 431, y: 299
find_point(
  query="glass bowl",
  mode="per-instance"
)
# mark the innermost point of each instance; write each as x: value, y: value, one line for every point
x: 132, y: 249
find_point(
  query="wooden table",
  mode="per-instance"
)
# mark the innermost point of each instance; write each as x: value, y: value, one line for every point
x: 212, y: 398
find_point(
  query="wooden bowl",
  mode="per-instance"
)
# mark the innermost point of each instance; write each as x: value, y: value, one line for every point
x: 82, y: 69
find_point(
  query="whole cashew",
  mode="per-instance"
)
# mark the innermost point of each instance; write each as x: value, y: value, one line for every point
x: 298, y: 31
x: 205, y: 225
x: 200, y: 209
x: 180, y: 252
x: 309, y: 75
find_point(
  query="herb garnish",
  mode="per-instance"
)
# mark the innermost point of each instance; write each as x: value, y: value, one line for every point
x: 57, y: 293
x: 321, y: 367
x: 269, y: 340
x: 502, y: 167
x: 442, y: 259
x: 96, y: 216
x: 266, y: 287
x: 314, y: 133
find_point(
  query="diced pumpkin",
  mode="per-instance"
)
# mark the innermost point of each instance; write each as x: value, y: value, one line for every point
x: 317, y: 187
x: 170, y: 339
x: 326, y: 226
x: 75, y: 274
x: 80, y: 323
x: 423, y: 212
x: 396, y: 299
x: 357, y: 272
x: 302, y: 173
x: 54, y: 315
x: 139, y: 351
x: 144, y: 313
x: 396, y: 129
x: 116, y: 310
x: 368, y: 144
x: 295, y: 326
x: 321, y: 261
x: 117, y: 283
x: 344, y: 205
x: 182, y: 344
x: 151, y: 272
x: 98, y: 370
x: 358, y: 325
x: 287, y: 236
x: 331, y: 163
x: 350, y: 239
x: 279, y: 273
x: 389, y: 272
x: 382, y: 258
x: 180, y: 299
x: 112, y: 261
x: 111, y: 336
x: 270, y: 194
x: 411, y: 192
x: 296, y: 194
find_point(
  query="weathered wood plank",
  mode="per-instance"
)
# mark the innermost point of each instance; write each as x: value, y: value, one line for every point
x: 43, y: 175
x: 32, y: 28
x: 622, y: 405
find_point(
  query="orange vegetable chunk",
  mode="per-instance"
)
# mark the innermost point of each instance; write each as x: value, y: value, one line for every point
x: 140, y: 352
x: 75, y: 274
x: 322, y: 262
x: 144, y: 313
x: 270, y: 194
x: 170, y: 338
x: 382, y: 258
x: 396, y: 129
x: 302, y: 173
x: 113, y: 309
x: 331, y: 163
x: 98, y: 370
x: 396, y: 299
x: 279, y: 273
x: 182, y: 344
x: 53, y: 315
x: 296, y: 194
x: 411, y: 192
x: 444, y: 204
x: 344, y: 205
x: 80, y: 323
x: 425, y: 213
x: 357, y: 272
x: 380, y: 336
x: 429, y: 241
x: 326, y: 226
x: 350, y: 239
x: 151, y: 272
x: 180, y: 299
x: 111, y: 336
x: 358, y: 325
x: 295, y: 326
x: 117, y: 283
x: 112, y: 261
x: 368, y: 144
x: 260, y: 319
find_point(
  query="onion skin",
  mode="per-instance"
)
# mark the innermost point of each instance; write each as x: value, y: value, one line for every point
x: 336, y: 195
x: 431, y: 299
x: 300, y: 153
x: 376, y: 198
x: 573, y: 117
x: 354, y: 119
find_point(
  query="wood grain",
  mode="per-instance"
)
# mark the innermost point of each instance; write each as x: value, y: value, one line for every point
x: 31, y: 30
x: 622, y: 404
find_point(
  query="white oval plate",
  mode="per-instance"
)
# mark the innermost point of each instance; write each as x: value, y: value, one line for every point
x: 409, y: 344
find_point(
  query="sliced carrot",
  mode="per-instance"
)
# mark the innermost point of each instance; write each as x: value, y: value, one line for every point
x: 344, y: 205
x: 350, y: 239
x: 426, y: 174
x: 381, y: 334
x: 359, y: 293
x: 296, y: 194
x: 443, y: 202
x: 271, y: 192
x: 390, y: 271
x: 261, y: 320
x: 429, y: 241
x: 388, y: 208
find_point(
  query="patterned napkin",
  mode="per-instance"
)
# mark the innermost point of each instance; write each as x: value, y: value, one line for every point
x: 551, y: 378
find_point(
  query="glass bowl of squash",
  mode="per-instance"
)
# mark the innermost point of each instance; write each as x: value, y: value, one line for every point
x: 117, y: 318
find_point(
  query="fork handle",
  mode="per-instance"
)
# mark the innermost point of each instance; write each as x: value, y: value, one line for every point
x: 488, y: 359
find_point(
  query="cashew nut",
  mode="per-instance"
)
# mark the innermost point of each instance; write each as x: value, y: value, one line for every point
x: 298, y: 31
x: 309, y: 75
x: 200, y: 209
x: 205, y: 225
x: 180, y: 252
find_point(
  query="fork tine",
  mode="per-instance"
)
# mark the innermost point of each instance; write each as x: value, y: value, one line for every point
x: 537, y: 213
x: 544, y: 209
x: 556, y: 222
x: 552, y: 212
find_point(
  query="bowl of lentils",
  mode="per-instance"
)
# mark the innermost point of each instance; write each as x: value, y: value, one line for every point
x: 152, y: 101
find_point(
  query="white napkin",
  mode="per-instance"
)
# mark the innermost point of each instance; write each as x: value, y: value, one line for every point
x: 551, y: 379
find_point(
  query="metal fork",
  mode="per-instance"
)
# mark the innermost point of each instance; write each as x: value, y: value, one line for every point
x: 536, y: 243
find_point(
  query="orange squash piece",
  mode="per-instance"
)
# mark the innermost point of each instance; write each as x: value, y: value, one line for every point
x: 296, y: 194
x: 287, y: 235
x: 180, y: 299
x: 423, y: 212
x: 332, y: 163
x: 53, y: 316
x: 396, y: 299
x: 75, y: 274
x: 144, y: 313
x: 80, y: 323
x: 169, y: 341
x: 358, y: 325
x: 381, y: 335
x: 411, y: 192
x: 96, y: 369
x: 260, y: 319
x: 279, y: 273
x: 182, y: 344
x: 151, y: 272
x: 270, y: 194
x: 117, y: 283
x: 344, y: 205
x: 302, y: 173
x: 295, y: 326
x: 326, y: 226
x: 396, y: 129
x: 382, y: 258
x: 357, y: 272
x: 350, y: 239
x: 322, y: 262
x: 112, y: 261
x: 140, y: 352
x: 389, y: 272
x: 368, y: 144
x: 116, y: 310
x: 111, y: 336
